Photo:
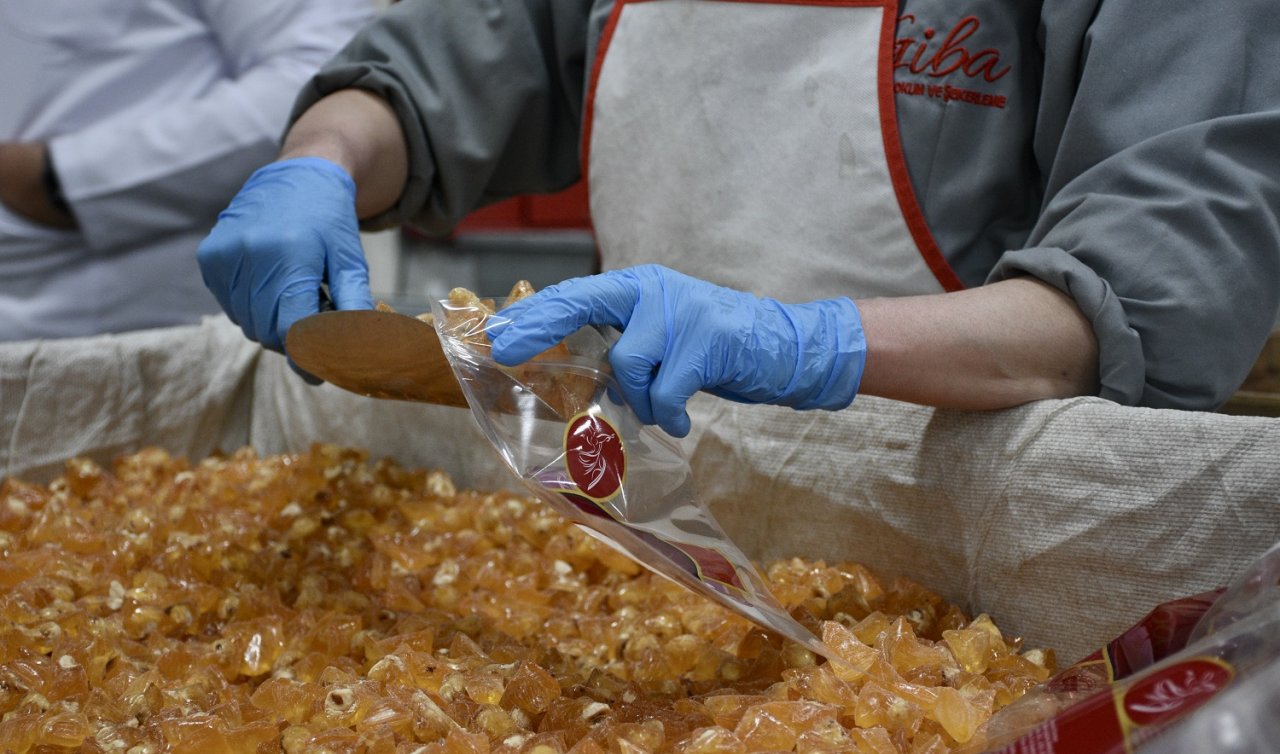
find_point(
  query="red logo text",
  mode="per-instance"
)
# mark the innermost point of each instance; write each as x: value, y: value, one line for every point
x: 942, y: 55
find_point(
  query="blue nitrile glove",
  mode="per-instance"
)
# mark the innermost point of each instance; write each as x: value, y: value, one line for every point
x: 681, y: 335
x: 292, y: 226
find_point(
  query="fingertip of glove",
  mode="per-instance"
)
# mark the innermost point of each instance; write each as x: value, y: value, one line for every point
x: 496, y: 325
x: 347, y: 300
x: 677, y: 426
x: 637, y: 398
x: 248, y: 333
x: 509, y: 351
x: 512, y: 343
x: 668, y: 407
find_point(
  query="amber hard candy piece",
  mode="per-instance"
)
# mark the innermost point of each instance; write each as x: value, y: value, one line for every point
x: 565, y: 393
x: 324, y: 602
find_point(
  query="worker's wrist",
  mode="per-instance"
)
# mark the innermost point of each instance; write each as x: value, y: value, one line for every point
x: 328, y: 150
x: 332, y: 129
x: 322, y: 164
x: 359, y: 131
x: 832, y: 354
x: 315, y: 175
x: 22, y: 185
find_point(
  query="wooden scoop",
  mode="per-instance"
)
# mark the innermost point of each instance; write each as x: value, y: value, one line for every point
x: 380, y: 354
x: 383, y: 354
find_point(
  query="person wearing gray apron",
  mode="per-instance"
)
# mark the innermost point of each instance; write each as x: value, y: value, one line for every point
x: 987, y: 202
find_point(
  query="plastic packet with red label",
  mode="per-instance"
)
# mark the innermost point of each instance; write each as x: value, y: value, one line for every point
x: 1201, y: 674
x: 559, y: 422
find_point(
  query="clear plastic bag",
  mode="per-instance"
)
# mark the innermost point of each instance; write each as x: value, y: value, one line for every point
x: 559, y: 423
x: 1200, y: 674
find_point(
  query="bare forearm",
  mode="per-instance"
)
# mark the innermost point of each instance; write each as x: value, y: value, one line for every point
x: 22, y: 185
x: 997, y: 346
x: 359, y: 131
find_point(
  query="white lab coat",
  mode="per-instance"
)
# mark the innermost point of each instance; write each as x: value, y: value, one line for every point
x: 156, y: 111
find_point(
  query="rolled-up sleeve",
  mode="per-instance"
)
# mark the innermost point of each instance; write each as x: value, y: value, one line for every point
x: 1159, y: 135
x: 488, y: 93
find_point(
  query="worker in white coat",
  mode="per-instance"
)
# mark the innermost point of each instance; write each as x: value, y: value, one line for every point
x: 124, y: 128
x: 970, y: 205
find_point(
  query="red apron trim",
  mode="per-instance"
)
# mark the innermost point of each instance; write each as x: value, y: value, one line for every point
x: 898, y: 174
x: 827, y: 3
x: 601, y: 46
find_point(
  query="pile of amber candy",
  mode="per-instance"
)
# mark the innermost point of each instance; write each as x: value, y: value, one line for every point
x: 324, y: 603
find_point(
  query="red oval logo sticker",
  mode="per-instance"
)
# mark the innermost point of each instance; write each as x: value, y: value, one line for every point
x: 1176, y: 690
x: 594, y: 456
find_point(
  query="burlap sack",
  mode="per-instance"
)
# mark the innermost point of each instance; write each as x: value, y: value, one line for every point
x: 1066, y: 520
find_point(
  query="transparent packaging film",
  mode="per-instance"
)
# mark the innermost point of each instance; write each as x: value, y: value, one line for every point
x: 1244, y: 626
x: 560, y: 424
x: 1254, y: 591
x: 1197, y: 674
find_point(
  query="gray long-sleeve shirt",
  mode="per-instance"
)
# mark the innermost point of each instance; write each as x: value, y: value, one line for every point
x: 1127, y: 155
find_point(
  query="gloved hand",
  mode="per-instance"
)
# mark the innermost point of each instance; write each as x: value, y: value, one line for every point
x: 681, y: 335
x: 292, y: 226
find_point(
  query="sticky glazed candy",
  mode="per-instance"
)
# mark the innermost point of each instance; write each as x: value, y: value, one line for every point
x: 320, y: 602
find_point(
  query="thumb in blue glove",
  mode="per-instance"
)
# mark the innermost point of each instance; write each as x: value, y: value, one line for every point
x: 681, y: 335
x: 292, y: 226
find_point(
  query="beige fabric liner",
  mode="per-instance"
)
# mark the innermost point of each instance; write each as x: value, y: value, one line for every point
x: 1066, y: 520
